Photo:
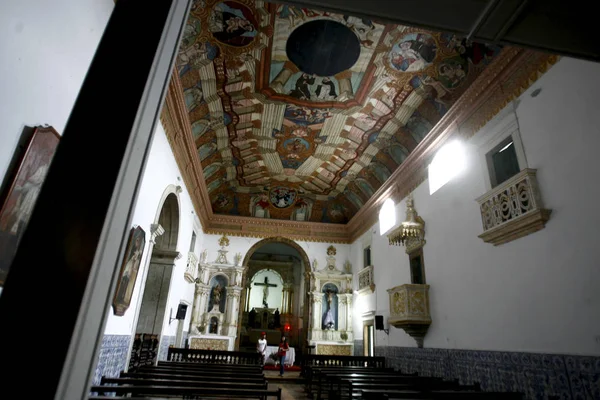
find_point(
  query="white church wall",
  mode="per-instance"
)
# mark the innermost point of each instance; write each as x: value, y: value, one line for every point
x: 44, y: 58
x: 537, y: 293
x: 161, y: 173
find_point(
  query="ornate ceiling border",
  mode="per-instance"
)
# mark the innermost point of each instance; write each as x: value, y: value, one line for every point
x: 509, y: 75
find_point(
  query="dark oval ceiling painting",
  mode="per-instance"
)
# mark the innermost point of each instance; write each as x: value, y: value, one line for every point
x: 300, y: 114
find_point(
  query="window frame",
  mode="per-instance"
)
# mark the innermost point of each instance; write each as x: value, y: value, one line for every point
x: 507, y: 125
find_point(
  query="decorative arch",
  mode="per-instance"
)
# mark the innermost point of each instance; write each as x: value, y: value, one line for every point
x: 307, y: 270
x: 330, y: 283
x: 167, y: 215
x: 277, y: 239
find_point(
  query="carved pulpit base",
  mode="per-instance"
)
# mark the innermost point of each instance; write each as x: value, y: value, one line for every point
x: 417, y: 332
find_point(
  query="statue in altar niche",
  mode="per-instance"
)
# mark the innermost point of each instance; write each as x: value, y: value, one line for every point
x: 330, y: 297
x: 252, y: 318
x: 276, y: 319
x: 266, y: 285
x: 214, y: 325
x: 218, y: 293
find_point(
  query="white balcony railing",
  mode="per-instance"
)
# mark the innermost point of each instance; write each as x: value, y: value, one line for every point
x: 513, y: 209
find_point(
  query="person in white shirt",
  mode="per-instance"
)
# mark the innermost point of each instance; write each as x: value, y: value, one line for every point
x: 261, y: 346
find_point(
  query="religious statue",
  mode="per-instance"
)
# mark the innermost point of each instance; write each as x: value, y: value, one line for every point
x: 266, y: 291
x: 216, y: 295
x: 315, y: 264
x: 237, y: 258
x: 265, y: 295
x: 252, y: 318
x: 348, y: 267
x: 203, y: 256
x: 276, y: 320
x: 214, y: 325
x: 329, y: 322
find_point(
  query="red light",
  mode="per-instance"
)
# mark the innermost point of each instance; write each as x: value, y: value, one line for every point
x: 287, y: 327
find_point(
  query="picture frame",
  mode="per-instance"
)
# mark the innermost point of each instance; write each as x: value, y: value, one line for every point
x: 23, y: 183
x: 129, y: 270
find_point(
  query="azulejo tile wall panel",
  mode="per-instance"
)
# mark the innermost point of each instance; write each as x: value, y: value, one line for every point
x: 537, y: 375
x: 163, y: 351
x: 112, y: 357
x: 358, y: 348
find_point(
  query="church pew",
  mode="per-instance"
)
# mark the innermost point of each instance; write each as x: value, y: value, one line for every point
x: 329, y: 379
x: 213, y: 356
x: 187, y: 371
x: 187, y: 377
x: 313, y: 373
x: 186, y: 391
x: 349, y: 387
x: 183, y: 383
x: 424, y: 385
x: 322, y: 360
x: 377, y: 394
x: 192, y: 365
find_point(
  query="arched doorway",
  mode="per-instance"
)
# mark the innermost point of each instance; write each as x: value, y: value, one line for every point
x: 151, y: 315
x: 276, y: 278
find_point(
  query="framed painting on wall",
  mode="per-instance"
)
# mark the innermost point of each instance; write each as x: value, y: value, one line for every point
x: 23, y: 185
x: 129, y: 270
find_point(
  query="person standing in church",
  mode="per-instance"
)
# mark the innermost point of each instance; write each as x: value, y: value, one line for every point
x: 282, y: 352
x: 261, y: 347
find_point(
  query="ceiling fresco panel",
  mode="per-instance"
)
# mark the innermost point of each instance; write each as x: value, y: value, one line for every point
x: 301, y: 115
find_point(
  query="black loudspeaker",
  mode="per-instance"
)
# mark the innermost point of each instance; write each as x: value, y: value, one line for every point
x: 181, y: 310
x: 379, y: 322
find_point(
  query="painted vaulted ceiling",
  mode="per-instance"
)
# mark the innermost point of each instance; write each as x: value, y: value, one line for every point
x: 301, y: 115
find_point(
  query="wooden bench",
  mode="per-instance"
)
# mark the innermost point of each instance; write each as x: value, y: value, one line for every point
x: 190, y: 377
x: 317, y: 374
x: 313, y: 374
x: 194, y: 365
x: 377, y: 394
x: 183, y: 383
x: 213, y: 356
x: 189, y: 371
x: 350, y: 386
x: 187, y: 391
x: 322, y: 360
x: 347, y: 382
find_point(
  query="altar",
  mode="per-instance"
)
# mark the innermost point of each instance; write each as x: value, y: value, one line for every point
x: 290, y: 358
x: 211, y: 342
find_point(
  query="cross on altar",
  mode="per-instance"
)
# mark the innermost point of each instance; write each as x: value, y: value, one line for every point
x: 266, y: 290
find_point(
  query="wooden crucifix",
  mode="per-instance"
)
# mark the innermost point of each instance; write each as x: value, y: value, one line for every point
x: 266, y: 290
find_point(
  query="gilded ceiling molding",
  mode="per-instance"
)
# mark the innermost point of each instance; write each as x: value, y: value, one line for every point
x: 507, y: 77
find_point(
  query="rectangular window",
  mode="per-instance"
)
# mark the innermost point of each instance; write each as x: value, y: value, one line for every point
x: 193, y: 242
x: 367, y: 257
x: 417, y: 269
x: 502, y: 162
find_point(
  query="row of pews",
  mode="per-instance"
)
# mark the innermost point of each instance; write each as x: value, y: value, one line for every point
x: 339, y: 377
x: 188, y: 379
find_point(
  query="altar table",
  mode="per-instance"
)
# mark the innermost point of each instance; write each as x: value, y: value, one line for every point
x: 289, y: 358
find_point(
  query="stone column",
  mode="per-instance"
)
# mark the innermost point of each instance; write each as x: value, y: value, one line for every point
x: 289, y: 69
x: 316, y: 320
x: 200, y: 301
x: 342, y: 312
x: 345, y: 85
x: 231, y: 311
